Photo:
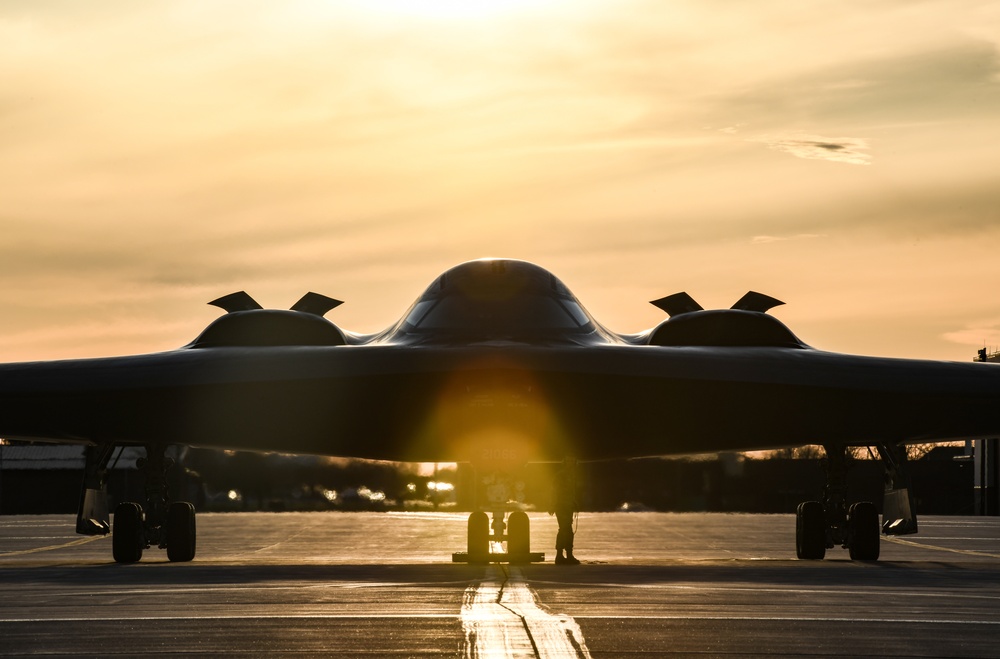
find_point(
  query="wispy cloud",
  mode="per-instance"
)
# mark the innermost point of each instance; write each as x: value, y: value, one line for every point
x: 762, y: 240
x: 982, y: 334
x: 850, y: 150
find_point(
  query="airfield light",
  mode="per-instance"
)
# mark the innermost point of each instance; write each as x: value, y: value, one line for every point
x: 371, y: 495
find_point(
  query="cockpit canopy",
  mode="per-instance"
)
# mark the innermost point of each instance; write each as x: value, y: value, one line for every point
x: 496, y: 299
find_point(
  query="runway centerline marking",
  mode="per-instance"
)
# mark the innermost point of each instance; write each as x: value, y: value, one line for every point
x: 500, y: 619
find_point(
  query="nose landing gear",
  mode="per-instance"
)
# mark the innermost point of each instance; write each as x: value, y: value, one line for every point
x: 487, y: 547
x: 510, y: 525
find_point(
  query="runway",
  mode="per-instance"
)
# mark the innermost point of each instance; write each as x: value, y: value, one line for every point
x: 382, y: 584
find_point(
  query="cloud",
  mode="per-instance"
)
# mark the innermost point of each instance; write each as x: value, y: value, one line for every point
x: 849, y: 150
x: 914, y: 83
x: 762, y: 240
x: 981, y: 334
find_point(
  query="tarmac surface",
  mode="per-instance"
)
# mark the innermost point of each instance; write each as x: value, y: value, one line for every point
x: 383, y: 584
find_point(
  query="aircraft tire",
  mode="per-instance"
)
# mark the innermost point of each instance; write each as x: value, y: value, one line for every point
x: 518, y: 534
x: 863, y: 531
x: 479, y: 535
x: 127, y: 534
x: 810, y: 531
x: 181, y: 532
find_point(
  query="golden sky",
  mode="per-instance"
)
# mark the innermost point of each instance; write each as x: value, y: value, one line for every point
x: 840, y: 156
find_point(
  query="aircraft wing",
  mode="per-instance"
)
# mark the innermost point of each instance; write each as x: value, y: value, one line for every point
x: 433, y: 403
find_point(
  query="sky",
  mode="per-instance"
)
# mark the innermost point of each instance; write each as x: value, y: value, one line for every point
x: 840, y: 156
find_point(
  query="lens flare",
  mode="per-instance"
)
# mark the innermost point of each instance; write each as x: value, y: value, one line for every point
x: 495, y: 417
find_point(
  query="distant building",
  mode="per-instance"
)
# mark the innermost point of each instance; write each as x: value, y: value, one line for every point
x: 46, y: 478
x: 986, y: 454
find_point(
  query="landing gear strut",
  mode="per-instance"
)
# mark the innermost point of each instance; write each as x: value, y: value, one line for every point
x: 92, y: 515
x: 165, y: 524
x: 898, y: 517
x: 823, y: 525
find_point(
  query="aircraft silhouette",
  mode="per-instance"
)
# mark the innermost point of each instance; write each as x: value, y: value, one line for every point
x: 497, y: 363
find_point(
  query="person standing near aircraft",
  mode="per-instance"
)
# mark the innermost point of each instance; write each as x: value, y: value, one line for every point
x: 566, y: 505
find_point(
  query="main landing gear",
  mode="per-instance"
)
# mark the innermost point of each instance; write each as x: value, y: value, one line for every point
x: 165, y: 524
x: 822, y: 525
x: 168, y: 525
x: 816, y: 531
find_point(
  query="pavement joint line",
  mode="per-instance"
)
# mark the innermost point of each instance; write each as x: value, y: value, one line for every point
x: 443, y: 616
x: 219, y: 588
x: 881, y: 621
x: 266, y: 616
x: 524, y: 623
x: 792, y: 591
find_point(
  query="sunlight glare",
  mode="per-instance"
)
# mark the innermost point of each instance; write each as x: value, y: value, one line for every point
x: 451, y: 9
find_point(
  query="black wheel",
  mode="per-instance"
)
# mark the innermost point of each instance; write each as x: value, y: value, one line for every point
x: 479, y: 535
x: 810, y: 531
x: 180, y: 531
x: 127, y: 541
x: 863, y: 531
x: 518, y: 533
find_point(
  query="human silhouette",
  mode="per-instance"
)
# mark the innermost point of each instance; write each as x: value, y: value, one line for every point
x: 566, y: 504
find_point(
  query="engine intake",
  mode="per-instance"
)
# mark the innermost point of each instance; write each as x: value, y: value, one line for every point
x: 247, y: 324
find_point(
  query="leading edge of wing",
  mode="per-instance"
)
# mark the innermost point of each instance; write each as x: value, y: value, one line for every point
x: 808, y: 368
